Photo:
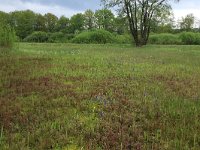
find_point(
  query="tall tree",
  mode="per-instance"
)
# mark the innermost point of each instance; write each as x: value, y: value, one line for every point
x: 23, y: 22
x: 62, y: 24
x: 76, y: 23
x: 121, y: 24
x: 51, y: 22
x: 104, y: 19
x: 187, y: 22
x: 163, y: 21
x: 40, y: 23
x: 89, y: 19
x: 140, y: 14
x: 4, y: 17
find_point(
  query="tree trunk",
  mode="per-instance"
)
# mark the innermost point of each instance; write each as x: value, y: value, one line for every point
x: 139, y: 41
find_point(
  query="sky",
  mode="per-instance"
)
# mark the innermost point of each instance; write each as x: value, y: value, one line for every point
x: 70, y: 7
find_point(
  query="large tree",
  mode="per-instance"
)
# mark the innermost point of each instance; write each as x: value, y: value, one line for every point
x: 163, y: 21
x: 104, y: 19
x: 51, y: 22
x: 89, y: 19
x: 121, y: 24
x: 187, y: 22
x: 40, y: 23
x: 76, y: 23
x: 62, y: 24
x: 140, y: 14
x: 4, y: 18
x: 23, y: 22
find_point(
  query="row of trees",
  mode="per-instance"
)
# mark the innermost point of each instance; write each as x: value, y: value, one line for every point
x: 138, y: 17
x: 26, y: 22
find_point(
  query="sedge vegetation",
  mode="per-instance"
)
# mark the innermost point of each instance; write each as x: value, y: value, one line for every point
x: 73, y: 96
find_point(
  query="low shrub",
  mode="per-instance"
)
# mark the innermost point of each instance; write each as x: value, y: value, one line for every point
x: 124, y: 39
x: 7, y: 36
x: 190, y: 38
x: 38, y: 37
x: 164, y: 39
x: 56, y: 37
x: 42, y: 37
x: 95, y: 37
x: 59, y: 37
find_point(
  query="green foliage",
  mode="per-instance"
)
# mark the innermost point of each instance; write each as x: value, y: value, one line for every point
x: 124, y: 39
x: 105, y: 19
x: 59, y: 37
x: 187, y: 23
x: 121, y: 24
x: 23, y: 22
x: 95, y: 36
x: 76, y: 23
x: 42, y: 37
x: 7, y: 36
x: 40, y: 22
x: 62, y: 24
x: 56, y: 37
x: 4, y: 17
x: 190, y: 38
x: 37, y: 36
x: 164, y: 39
x: 89, y: 19
x: 51, y: 21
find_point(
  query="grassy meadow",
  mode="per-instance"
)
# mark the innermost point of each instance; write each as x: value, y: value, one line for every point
x: 100, y: 97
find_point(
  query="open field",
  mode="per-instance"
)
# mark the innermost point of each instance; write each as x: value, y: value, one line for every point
x: 66, y: 96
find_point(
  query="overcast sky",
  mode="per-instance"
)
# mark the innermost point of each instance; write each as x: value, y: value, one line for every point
x: 70, y: 7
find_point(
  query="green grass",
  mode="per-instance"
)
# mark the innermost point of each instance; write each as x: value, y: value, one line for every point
x: 67, y: 96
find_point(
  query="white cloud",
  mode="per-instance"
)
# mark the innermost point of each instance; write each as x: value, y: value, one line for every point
x: 180, y: 9
x: 179, y: 13
x: 9, y: 6
x: 185, y: 7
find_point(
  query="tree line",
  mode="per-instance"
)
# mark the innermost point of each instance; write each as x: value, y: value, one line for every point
x: 26, y: 22
x: 137, y: 18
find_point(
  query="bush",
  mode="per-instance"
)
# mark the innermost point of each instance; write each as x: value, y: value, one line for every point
x: 37, y: 36
x: 124, y: 39
x: 190, y: 38
x: 164, y: 39
x: 7, y: 36
x: 56, y: 37
x: 95, y: 37
x: 59, y: 37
